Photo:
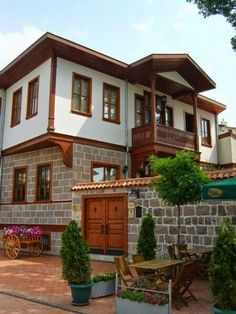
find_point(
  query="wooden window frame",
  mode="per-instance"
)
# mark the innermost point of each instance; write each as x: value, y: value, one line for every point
x: 117, y: 120
x: 137, y: 96
x: 14, y: 185
x: 146, y: 108
x: 89, y: 97
x: 95, y: 164
x: 163, y: 114
x: 185, y: 115
x: 16, y: 107
x: 172, y: 115
x: 37, y: 199
x: 208, y: 138
x: 29, y: 112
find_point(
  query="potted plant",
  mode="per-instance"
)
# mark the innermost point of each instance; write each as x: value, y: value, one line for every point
x: 222, y: 270
x: 103, y: 285
x: 76, y: 264
x: 134, y: 302
x: 146, y: 240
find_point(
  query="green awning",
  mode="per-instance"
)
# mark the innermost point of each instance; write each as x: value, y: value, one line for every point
x: 220, y: 189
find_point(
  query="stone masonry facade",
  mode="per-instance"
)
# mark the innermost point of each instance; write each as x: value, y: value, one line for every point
x: 59, y: 210
x: 199, y: 222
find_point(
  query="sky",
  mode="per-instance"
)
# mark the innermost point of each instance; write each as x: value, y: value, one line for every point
x: 128, y: 30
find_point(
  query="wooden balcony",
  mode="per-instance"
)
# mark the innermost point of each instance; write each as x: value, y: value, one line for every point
x: 142, y: 136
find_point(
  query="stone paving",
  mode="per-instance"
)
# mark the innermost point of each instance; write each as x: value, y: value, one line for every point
x: 34, y: 285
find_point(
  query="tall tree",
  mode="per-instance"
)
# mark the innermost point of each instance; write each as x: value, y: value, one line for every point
x: 180, y: 180
x: 227, y: 8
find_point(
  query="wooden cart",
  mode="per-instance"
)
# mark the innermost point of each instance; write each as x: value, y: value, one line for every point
x: 12, y: 245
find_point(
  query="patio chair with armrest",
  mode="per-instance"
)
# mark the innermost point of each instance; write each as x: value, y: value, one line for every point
x: 182, y: 283
x: 203, y: 264
x: 171, y: 251
x: 124, y: 272
x: 181, y: 251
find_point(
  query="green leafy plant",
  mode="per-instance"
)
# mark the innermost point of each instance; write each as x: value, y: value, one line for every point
x: 146, y: 240
x: 180, y: 180
x: 74, y: 253
x: 222, y: 268
x: 104, y: 277
x: 143, y: 296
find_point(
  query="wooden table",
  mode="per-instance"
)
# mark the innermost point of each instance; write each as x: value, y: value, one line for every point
x: 157, y: 264
x: 199, y: 250
x: 160, y: 266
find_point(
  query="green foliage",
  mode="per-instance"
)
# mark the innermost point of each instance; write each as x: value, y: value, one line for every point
x: 226, y: 8
x: 180, y: 178
x: 146, y: 240
x: 104, y: 277
x: 76, y: 265
x: 142, y: 296
x: 222, y: 268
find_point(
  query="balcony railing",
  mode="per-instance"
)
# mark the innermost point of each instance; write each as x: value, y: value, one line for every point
x: 165, y: 135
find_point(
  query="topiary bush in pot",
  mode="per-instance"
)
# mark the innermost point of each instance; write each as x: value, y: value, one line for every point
x: 76, y: 264
x: 222, y: 270
x: 146, y: 240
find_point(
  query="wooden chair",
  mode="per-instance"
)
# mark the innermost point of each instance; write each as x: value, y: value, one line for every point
x: 125, y: 274
x: 136, y: 258
x: 181, y: 251
x: 203, y: 264
x: 171, y: 251
x: 181, y: 285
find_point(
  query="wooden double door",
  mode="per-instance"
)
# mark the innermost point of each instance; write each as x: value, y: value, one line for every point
x: 105, y: 224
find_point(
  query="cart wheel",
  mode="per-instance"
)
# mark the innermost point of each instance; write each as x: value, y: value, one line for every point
x: 36, y: 249
x: 12, y: 246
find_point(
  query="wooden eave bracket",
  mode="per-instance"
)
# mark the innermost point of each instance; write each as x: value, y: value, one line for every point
x: 67, y: 151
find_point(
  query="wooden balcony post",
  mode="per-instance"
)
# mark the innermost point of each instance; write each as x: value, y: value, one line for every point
x: 195, y: 128
x: 153, y: 105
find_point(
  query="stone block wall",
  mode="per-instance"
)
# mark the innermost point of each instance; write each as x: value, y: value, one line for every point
x: 199, y: 222
x: 59, y: 210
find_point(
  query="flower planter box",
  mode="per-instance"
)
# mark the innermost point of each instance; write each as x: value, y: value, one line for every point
x: 103, y: 288
x: 131, y: 307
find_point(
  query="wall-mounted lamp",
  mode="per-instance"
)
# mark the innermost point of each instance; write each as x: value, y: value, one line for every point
x: 164, y: 99
x: 125, y: 169
x: 135, y: 192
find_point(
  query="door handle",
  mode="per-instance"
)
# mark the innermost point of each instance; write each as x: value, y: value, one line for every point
x: 102, y: 229
x: 106, y: 228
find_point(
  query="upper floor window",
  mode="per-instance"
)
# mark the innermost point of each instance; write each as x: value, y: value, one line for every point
x: 205, y: 129
x: 32, y: 103
x: 19, y: 185
x: 189, y: 122
x: 16, y: 107
x: 142, y: 110
x: 104, y: 172
x: 43, y: 182
x: 111, y: 103
x: 164, y: 114
x: 81, y: 95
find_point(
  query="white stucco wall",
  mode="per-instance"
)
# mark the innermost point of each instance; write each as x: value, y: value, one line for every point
x: 37, y: 125
x: 227, y: 149
x: 93, y: 127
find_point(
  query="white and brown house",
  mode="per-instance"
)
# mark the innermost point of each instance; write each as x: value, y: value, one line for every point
x: 70, y: 114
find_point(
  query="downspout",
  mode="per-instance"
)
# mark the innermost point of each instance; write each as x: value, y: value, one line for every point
x: 126, y: 169
x: 2, y: 122
x: 217, y: 141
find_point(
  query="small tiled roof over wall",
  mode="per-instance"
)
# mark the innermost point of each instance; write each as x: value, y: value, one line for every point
x: 215, y: 175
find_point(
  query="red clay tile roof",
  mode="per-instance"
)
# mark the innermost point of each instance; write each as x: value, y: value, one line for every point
x: 112, y: 184
x: 215, y: 175
x: 222, y: 174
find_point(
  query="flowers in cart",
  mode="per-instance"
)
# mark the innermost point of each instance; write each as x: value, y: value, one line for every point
x: 17, y: 237
x: 22, y: 231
